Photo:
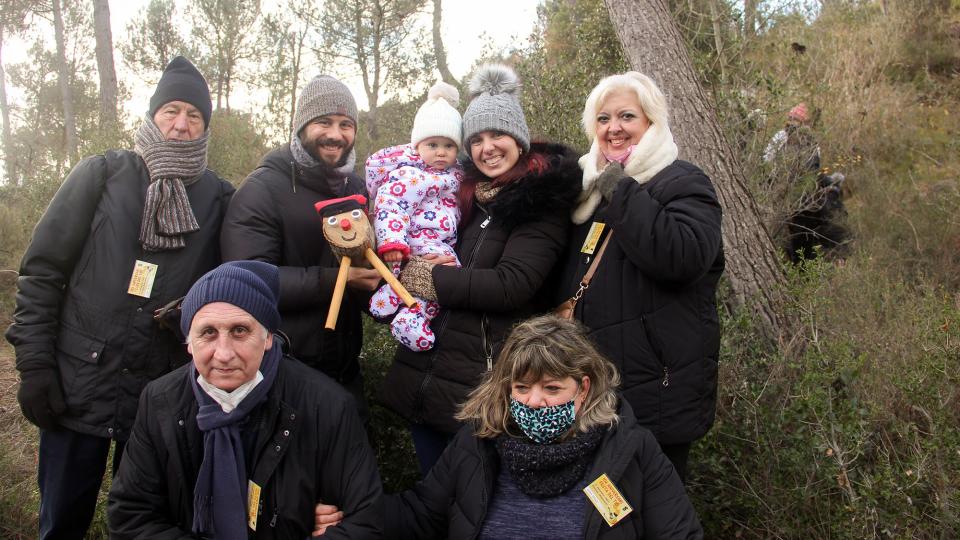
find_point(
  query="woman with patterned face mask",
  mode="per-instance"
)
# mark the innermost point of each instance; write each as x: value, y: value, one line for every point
x: 548, y: 451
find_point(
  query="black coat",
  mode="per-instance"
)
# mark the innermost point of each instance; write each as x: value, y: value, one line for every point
x: 651, y: 307
x: 310, y: 447
x: 73, y: 310
x: 272, y: 219
x: 507, y: 250
x: 452, y: 501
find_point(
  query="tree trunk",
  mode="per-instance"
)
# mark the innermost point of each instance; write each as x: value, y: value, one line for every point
x: 438, y: 51
x: 63, y: 78
x: 7, y: 143
x: 654, y: 46
x: 718, y: 37
x: 750, y: 19
x: 105, y: 65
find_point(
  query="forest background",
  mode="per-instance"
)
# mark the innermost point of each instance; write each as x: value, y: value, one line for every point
x: 844, y: 425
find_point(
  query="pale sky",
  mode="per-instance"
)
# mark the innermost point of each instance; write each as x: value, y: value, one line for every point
x: 467, y: 26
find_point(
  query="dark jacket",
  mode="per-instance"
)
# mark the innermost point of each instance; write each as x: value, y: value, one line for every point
x: 310, y: 447
x: 651, y: 307
x: 507, y: 250
x: 272, y: 219
x: 73, y: 310
x: 452, y: 501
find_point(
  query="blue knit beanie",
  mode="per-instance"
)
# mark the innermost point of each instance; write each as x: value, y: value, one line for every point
x: 252, y: 286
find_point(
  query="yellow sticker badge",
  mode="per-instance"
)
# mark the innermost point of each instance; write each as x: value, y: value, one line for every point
x: 593, y: 238
x: 607, y: 499
x: 253, y: 504
x: 141, y: 281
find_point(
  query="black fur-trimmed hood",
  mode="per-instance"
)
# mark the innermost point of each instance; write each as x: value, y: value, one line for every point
x: 552, y: 192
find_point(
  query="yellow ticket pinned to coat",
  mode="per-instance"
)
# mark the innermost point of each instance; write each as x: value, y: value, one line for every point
x: 141, y: 281
x: 608, y: 500
x: 253, y: 504
x: 593, y: 238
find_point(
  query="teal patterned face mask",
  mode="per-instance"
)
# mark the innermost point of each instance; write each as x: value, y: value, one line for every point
x: 545, y: 424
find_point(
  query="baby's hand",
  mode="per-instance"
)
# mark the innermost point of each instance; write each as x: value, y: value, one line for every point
x: 394, y: 256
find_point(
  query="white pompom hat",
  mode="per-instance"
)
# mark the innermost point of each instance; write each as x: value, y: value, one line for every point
x: 438, y: 116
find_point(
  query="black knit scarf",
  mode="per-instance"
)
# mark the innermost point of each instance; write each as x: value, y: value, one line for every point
x: 172, y: 165
x: 548, y: 470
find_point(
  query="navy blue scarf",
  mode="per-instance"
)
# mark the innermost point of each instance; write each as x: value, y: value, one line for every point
x: 219, y: 497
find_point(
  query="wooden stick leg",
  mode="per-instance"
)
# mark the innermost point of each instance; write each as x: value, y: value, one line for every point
x: 338, y: 289
x: 391, y: 279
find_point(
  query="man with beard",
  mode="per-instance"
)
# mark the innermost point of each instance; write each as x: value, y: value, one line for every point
x: 272, y: 219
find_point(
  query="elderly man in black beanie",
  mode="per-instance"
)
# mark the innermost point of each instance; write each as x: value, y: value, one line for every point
x: 243, y: 441
x: 272, y: 219
x: 127, y: 232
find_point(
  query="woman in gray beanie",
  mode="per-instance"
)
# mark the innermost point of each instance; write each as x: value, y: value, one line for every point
x: 514, y: 201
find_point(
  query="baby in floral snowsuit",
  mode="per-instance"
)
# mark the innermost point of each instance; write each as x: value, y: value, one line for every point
x: 414, y: 189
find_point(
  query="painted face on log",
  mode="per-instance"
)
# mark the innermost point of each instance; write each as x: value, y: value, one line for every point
x: 347, y: 230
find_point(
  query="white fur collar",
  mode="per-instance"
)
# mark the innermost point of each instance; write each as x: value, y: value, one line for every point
x: 653, y: 153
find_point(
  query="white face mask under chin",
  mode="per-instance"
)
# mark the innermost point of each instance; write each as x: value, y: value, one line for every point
x: 228, y: 401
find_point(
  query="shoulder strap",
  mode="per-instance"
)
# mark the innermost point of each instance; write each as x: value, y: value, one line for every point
x: 596, y: 261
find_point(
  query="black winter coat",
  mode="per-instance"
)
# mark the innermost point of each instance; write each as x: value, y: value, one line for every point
x: 310, y: 447
x: 272, y: 219
x: 73, y: 310
x: 452, y: 501
x: 507, y: 250
x: 651, y: 307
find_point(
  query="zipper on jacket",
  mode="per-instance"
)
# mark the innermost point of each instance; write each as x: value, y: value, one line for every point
x: 666, y: 377
x: 418, y: 405
x: 273, y: 520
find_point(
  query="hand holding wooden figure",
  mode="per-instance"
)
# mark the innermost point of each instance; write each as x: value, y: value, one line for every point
x: 348, y: 231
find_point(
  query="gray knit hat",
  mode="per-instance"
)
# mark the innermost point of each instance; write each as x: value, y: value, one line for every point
x: 252, y: 286
x: 321, y: 96
x: 495, y: 90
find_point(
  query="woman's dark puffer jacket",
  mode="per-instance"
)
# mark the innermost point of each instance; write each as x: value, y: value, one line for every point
x: 452, y: 501
x: 651, y: 307
x: 507, y: 249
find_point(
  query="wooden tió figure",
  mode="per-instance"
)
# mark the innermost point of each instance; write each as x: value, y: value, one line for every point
x: 348, y: 231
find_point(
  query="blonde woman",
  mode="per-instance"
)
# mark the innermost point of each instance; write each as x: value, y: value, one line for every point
x: 543, y: 425
x: 651, y: 306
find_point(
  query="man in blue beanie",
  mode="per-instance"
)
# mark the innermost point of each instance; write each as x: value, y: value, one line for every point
x: 244, y: 440
x: 128, y: 232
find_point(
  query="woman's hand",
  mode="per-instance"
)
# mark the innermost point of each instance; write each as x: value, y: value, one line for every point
x: 326, y: 515
x: 608, y: 179
x: 447, y: 260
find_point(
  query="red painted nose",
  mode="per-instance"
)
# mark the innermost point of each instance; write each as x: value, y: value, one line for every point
x: 345, y: 224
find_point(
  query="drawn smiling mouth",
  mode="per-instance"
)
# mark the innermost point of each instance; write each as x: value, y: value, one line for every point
x: 351, y: 239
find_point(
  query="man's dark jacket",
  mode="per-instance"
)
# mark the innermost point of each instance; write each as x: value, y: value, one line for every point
x: 308, y: 446
x: 452, y: 501
x: 272, y: 219
x: 73, y: 310
x: 507, y: 248
x: 651, y: 307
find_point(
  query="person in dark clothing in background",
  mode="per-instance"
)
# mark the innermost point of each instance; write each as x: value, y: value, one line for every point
x: 272, y: 219
x: 543, y: 425
x: 651, y: 307
x: 244, y: 441
x: 126, y: 233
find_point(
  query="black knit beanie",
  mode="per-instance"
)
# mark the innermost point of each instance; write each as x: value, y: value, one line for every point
x: 252, y: 286
x: 181, y: 81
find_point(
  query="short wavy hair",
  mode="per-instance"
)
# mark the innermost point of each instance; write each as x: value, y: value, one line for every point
x: 545, y: 345
x: 651, y: 99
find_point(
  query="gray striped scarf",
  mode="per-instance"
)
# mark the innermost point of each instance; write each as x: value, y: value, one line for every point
x: 172, y: 165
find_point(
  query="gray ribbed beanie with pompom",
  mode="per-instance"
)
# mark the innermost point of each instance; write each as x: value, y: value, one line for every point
x: 495, y: 90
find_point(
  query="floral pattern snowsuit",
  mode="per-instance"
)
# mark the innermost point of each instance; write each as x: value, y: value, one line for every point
x: 415, y: 211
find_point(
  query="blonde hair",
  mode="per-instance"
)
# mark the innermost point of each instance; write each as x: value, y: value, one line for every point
x: 546, y: 345
x: 651, y: 99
